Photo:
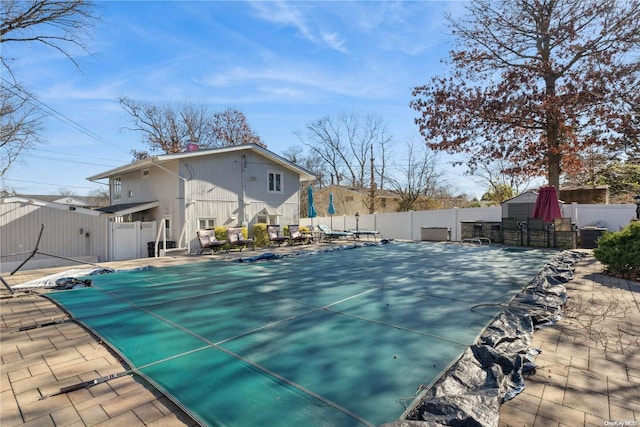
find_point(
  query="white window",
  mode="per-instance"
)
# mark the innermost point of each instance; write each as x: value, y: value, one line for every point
x: 275, y: 182
x: 204, y: 223
x: 117, y: 188
x: 145, y: 173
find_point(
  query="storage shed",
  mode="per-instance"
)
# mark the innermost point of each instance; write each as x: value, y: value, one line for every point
x: 520, y: 207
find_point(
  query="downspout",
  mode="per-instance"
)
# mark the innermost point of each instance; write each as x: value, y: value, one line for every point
x: 184, y: 200
x: 244, y: 176
x: 107, y: 243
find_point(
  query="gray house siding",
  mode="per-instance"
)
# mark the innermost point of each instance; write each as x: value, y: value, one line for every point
x: 150, y: 184
x: 77, y: 234
x: 214, y: 190
x: 258, y: 196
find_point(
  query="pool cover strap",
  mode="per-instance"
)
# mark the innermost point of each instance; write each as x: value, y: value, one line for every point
x: 87, y: 384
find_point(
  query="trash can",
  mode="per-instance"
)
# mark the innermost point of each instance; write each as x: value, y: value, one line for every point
x: 589, y: 237
x: 151, y: 247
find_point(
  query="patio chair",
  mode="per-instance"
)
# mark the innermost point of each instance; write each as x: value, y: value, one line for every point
x: 208, y: 241
x: 273, y: 231
x: 235, y: 239
x: 297, y: 236
x: 537, y: 232
x: 330, y: 234
x: 563, y: 224
x: 564, y: 232
x: 510, y: 228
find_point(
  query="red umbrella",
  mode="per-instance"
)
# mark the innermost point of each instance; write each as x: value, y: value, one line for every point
x: 547, y: 205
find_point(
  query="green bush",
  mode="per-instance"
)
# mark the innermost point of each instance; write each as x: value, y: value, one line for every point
x: 620, y: 251
x: 260, y: 236
x: 221, y: 233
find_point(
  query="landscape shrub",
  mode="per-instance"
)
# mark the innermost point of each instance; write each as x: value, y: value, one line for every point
x: 619, y: 251
x: 260, y: 236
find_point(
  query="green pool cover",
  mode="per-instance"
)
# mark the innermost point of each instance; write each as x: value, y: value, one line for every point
x: 339, y: 338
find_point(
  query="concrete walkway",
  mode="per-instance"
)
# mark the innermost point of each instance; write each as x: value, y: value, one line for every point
x: 585, y: 373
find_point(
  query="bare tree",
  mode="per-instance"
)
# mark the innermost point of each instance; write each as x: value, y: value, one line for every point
x: 169, y: 128
x: 535, y: 82
x: 20, y: 125
x: 345, y: 143
x: 99, y: 196
x: 65, y: 192
x: 295, y: 154
x: 56, y: 24
x: 381, y: 157
x: 417, y: 177
x: 501, y: 182
x: 324, y: 141
x: 230, y: 127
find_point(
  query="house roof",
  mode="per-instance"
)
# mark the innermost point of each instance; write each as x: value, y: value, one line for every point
x: 128, y: 208
x: 305, y: 175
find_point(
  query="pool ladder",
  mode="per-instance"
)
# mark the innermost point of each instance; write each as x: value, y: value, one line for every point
x: 477, y: 240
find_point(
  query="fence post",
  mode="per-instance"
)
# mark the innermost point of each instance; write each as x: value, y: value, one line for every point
x: 411, y: 225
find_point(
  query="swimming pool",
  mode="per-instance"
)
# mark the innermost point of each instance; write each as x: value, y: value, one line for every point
x: 340, y: 338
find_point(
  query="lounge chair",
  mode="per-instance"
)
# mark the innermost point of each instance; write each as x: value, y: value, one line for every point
x: 330, y: 234
x: 235, y: 239
x: 208, y: 241
x: 297, y: 236
x: 368, y: 233
x: 273, y: 231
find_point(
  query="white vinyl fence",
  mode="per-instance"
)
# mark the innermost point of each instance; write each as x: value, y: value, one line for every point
x: 408, y: 225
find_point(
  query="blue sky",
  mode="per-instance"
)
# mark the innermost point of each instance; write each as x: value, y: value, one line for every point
x: 283, y: 64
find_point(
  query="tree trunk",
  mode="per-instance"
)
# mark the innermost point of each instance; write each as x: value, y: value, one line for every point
x: 554, y: 171
x: 554, y: 154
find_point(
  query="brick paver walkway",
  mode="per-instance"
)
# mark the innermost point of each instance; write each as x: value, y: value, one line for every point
x: 589, y: 370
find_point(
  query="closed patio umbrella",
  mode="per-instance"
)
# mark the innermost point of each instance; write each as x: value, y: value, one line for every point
x: 547, y: 206
x: 312, y: 209
x: 331, y: 210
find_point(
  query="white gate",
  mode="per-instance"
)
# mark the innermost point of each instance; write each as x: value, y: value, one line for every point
x: 129, y: 240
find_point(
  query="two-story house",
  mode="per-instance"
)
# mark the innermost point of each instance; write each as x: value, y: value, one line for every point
x: 228, y: 186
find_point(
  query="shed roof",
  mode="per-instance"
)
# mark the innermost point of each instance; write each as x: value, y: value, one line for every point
x: 526, y: 197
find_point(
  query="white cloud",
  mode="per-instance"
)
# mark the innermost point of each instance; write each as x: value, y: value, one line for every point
x: 334, y: 40
x: 302, y: 18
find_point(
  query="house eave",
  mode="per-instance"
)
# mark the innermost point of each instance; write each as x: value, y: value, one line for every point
x: 128, y: 208
x: 304, y: 174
